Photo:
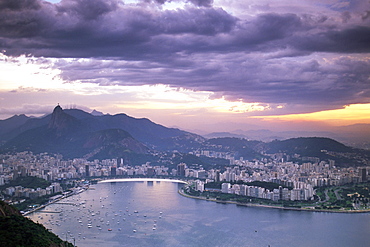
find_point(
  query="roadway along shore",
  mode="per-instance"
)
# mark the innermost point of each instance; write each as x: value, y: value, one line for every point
x: 56, y: 200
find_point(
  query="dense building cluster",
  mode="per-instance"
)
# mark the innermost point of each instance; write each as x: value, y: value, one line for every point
x: 19, y: 191
x: 302, y: 178
x: 281, y: 193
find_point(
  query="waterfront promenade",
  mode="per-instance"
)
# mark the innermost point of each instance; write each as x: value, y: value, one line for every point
x: 80, y: 190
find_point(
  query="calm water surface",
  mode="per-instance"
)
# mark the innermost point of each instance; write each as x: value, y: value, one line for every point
x: 154, y: 214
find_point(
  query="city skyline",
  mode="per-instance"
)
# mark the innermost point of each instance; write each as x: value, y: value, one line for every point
x: 197, y: 65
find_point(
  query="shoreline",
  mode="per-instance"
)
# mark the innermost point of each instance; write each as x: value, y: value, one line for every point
x: 181, y: 192
x: 117, y: 180
x: 54, y: 201
x: 103, y: 181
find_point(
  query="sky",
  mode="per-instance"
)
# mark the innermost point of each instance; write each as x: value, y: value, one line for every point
x: 204, y: 65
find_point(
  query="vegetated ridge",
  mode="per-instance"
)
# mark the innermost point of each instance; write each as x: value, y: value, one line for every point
x: 17, y: 230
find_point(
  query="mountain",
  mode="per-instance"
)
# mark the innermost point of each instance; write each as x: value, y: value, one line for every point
x: 29, y: 124
x: 62, y: 123
x: 70, y: 136
x: 112, y: 143
x: 299, y: 149
x: 75, y: 133
x: 357, y: 135
x: 17, y: 230
x: 240, y: 146
x: 268, y: 135
x: 12, y: 123
x: 307, y: 146
x: 96, y: 113
x: 223, y: 134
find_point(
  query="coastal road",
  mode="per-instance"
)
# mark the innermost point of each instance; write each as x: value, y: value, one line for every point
x: 327, y: 197
x: 337, y: 195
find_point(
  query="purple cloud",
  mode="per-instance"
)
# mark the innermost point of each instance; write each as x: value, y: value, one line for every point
x: 268, y: 57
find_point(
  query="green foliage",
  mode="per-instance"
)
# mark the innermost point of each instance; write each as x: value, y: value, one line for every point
x: 36, y: 201
x: 7, y: 210
x: 20, y: 231
x: 213, y: 185
x: 28, y: 182
x: 345, y: 196
x: 205, y: 162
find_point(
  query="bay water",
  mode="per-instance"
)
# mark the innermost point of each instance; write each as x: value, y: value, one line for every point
x: 154, y: 214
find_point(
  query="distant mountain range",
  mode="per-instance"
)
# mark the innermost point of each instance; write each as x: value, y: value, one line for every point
x: 357, y: 135
x: 302, y: 149
x: 77, y: 134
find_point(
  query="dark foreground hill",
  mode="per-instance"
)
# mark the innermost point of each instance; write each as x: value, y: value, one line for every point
x: 17, y: 230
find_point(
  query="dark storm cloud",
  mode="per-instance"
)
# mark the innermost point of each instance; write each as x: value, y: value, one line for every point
x: 350, y: 40
x: 204, y: 3
x: 85, y: 28
x: 89, y: 28
x: 199, y: 3
x: 260, y: 58
x: 263, y: 29
x: 86, y: 9
x: 19, y: 5
x: 20, y: 19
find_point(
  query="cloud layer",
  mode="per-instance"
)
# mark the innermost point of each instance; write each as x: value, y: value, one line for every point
x: 275, y: 54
